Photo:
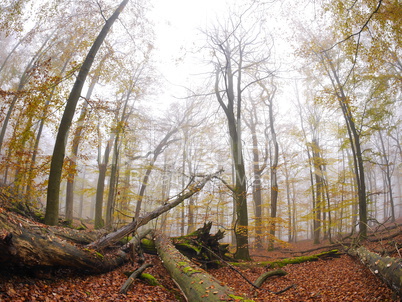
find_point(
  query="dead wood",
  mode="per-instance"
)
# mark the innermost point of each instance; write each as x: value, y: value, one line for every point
x: 203, y: 247
x: 133, y: 276
x: 386, y: 268
x: 195, y: 283
x: 29, y: 244
x: 131, y: 227
x: 261, y: 279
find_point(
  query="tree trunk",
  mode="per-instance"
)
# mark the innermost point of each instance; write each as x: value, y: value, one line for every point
x: 131, y: 227
x: 354, y: 139
x: 76, y: 142
x: 31, y: 245
x: 388, y: 269
x: 194, y: 282
x: 100, y: 188
x: 56, y: 166
x: 257, y: 172
x: 316, y: 163
x: 158, y: 150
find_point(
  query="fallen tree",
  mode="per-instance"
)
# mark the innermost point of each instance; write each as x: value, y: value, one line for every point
x: 132, y: 277
x: 26, y: 243
x: 386, y: 268
x: 195, y: 283
x: 29, y: 244
x: 203, y: 246
x: 136, y: 223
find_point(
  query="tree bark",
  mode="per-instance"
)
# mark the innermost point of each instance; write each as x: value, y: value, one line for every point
x: 131, y: 227
x: 194, y: 282
x: 56, y: 166
x: 261, y: 279
x: 386, y: 268
x: 100, y: 188
x: 30, y: 245
x: 132, y: 277
x: 257, y: 173
x: 75, y: 147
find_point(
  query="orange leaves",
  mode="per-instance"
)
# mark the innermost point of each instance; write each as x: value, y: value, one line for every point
x: 69, y: 286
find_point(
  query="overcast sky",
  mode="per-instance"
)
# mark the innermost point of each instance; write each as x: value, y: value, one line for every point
x: 177, y: 28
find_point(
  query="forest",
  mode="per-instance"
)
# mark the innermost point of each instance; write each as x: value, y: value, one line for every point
x: 254, y: 157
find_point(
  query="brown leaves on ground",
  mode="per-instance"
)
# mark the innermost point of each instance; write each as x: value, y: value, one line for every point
x: 64, y: 285
x: 333, y: 279
x: 337, y: 279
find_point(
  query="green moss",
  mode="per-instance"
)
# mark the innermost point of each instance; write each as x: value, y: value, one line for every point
x: 187, y: 246
x: 148, y: 244
x: 125, y: 240
x: 99, y: 254
x: 182, y: 263
x: 238, y: 298
x: 284, y: 262
x: 151, y: 280
x: 188, y: 270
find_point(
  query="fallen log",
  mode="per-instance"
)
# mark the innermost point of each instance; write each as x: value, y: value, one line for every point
x: 386, y: 268
x: 261, y: 279
x: 295, y: 260
x: 203, y: 246
x: 29, y: 244
x: 195, y: 283
x: 125, y: 287
x: 135, y: 224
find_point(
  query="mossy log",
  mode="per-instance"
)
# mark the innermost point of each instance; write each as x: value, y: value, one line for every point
x: 135, y: 224
x: 148, y: 278
x: 29, y: 244
x: 195, y: 283
x: 261, y: 279
x: 203, y: 246
x: 132, y: 277
x: 295, y: 260
x: 387, y: 268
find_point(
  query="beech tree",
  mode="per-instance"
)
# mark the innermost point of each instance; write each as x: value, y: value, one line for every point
x: 259, y: 165
x: 53, y: 191
x: 238, y: 50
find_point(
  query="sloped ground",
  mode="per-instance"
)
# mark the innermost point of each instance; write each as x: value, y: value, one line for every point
x: 65, y: 285
x: 336, y: 279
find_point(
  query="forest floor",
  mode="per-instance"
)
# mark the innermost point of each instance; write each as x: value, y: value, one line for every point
x: 334, y: 279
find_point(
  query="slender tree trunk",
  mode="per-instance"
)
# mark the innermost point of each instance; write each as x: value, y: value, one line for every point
x: 257, y: 171
x: 158, y: 150
x: 100, y: 189
x: 274, y: 173
x: 288, y: 197
x: 53, y: 191
x: 388, y: 176
x: 113, y: 183
x: 354, y: 139
x: 73, y: 159
x: 319, y: 189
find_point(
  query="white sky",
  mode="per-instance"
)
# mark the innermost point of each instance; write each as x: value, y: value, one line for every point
x: 177, y: 28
